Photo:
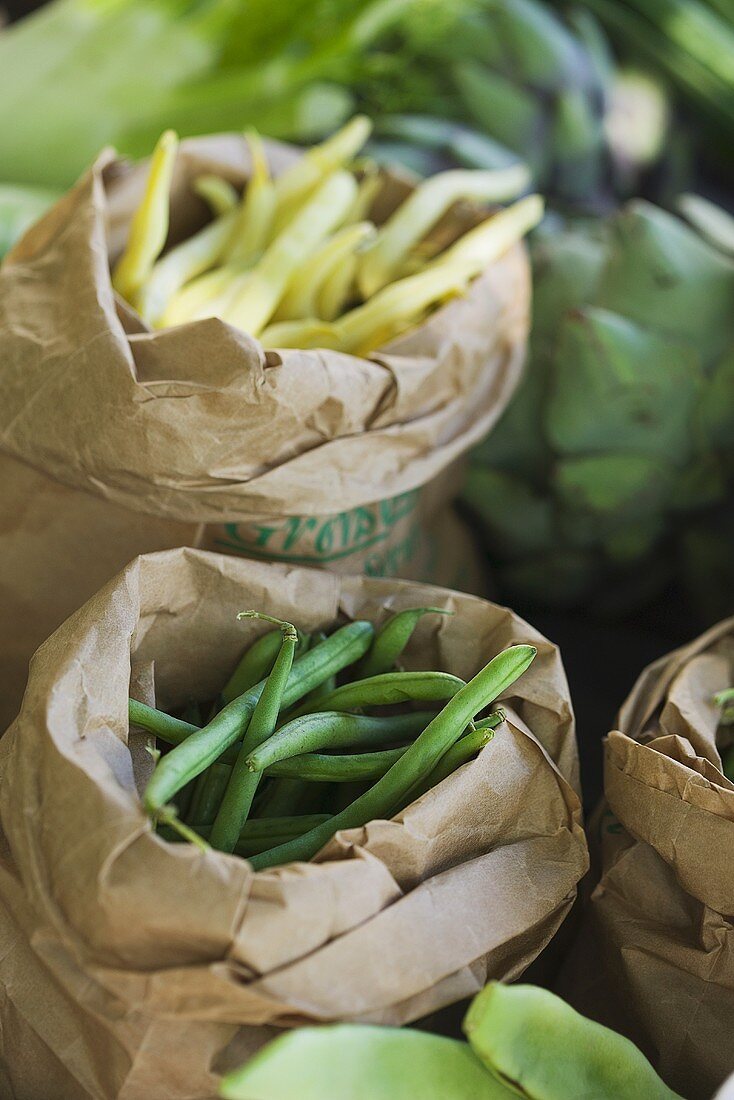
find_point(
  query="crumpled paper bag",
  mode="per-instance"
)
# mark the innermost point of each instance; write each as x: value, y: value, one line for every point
x: 655, y: 956
x: 115, y: 440
x: 133, y: 968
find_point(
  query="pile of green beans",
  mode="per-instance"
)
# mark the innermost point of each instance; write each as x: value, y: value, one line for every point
x: 312, y: 734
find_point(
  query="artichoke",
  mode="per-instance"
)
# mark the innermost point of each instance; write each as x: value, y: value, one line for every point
x: 512, y: 70
x: 603, y: 479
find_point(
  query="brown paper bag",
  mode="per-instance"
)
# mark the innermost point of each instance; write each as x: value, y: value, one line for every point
x: 133, y: 968
x: 115, y: 440
x: 660, y: 916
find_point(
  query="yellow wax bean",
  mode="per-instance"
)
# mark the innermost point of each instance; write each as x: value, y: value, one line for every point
x: 300, y: 299
x: 149, y: 225
x: 338, y: 289
x: 217, y: 193
x: 369, y: 186
x: 298, y: 181
x: 182, y: 264
x: 254, y: 224
x: 195, y: 300
x: 487, y: 242
x: 307, y: 333
x: 384, y: 258
x: 399, y: 306
x: 256, y: 294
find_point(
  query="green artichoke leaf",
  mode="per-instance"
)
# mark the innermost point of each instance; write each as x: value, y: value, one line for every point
x: 518, y: 519
x: 578, y: 142
x: 535, y: 46
x: 615, y: 487
x: 513, y: 115
x: 513, y: 1027
x: 618, y: 388
x: 717, y: 409
x: 517, y: 442
x: 567, y: 266
x: 559, y: 579
x: 701, y: 484
x: 664, y: 276
x: 619, y: 539
x: 351, y: 1062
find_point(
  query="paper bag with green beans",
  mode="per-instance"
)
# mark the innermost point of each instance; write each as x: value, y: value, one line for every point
x: 660, y: 916
x: 134, y: 967
x: 116, y: 439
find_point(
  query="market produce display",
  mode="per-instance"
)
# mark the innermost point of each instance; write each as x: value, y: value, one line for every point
x: 354, y: 313
x: 522, y: 1041
x: 258, y: 722
x: 596, y: 483
x: 298, y: 263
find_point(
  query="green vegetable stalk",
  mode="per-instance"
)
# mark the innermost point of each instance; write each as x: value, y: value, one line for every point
x: 491, y: 81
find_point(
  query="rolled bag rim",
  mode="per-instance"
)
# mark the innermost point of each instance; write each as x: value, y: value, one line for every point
x: 681, y: 812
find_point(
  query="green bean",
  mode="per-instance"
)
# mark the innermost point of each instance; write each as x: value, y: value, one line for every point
x: 529, y: 1038
x: 210, y: 787
x: 184, y: 799
x: 387, y: 689
x: 171, y: 730
x: 255, y: 665
x: 261, y: 828
x: 334, y: 730
x: 461, y: 752
x: 392, y: 638
x: 257, y: 834
x: 313, y: 767
x: 174, y: 730
x: 419, y: 759
x: 257, y: 661
x: 329, y: 684
x: 284, y: 796
x: 328, y: 768
x: 169, y: 817
x: 202, y: 747
x: 237, y: 800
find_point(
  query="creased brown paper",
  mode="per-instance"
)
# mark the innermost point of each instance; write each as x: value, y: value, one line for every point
x: 132, y: 968
x: 660, y: 916
x: 115, y: 440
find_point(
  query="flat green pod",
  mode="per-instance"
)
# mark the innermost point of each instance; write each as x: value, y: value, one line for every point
x: 541, y: 1048
x: 363, y: 1063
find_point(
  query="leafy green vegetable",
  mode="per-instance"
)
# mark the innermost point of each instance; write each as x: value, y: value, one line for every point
x: 621, y: 436
x: 80, y: 74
